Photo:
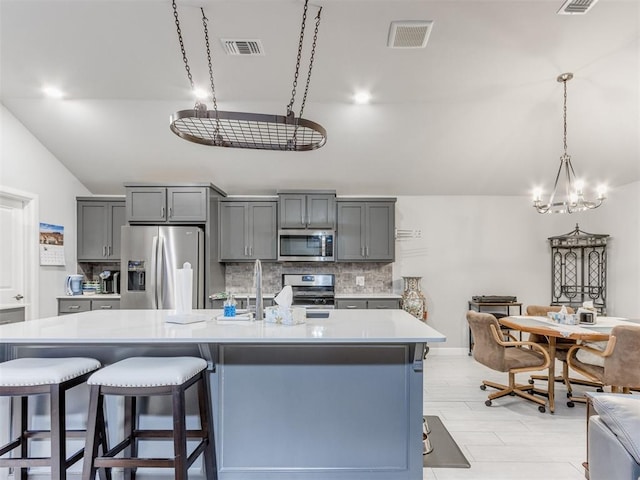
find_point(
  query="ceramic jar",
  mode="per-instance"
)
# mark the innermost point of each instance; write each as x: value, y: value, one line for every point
x: 413, y: 300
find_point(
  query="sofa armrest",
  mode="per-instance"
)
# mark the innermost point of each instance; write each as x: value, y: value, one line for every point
x: 621, y: 414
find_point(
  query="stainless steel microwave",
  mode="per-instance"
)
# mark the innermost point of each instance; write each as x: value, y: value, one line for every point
x: 306, y: 245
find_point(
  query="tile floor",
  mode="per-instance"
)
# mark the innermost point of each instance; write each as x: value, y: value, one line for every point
x: 509, y: 440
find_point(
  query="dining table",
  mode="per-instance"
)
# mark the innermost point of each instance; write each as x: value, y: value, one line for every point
x: 593, y: 332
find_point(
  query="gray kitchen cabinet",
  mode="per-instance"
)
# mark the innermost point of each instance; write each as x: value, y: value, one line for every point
x: 12, y: 315
x: 247, y: 231
x: 84, y: 304
x: 366, y: 230
x: 310, y: 210
x: 368, y: 303
x: 383, y: 304
x: 351, y: 304
x: 167, y: 204
x: 98, y: 228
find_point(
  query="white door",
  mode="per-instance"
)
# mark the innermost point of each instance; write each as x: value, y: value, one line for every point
x: 19, y: 251
x: 12, y: 286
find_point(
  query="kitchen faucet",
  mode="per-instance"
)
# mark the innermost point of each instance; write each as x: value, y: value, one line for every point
x: 257, y: 279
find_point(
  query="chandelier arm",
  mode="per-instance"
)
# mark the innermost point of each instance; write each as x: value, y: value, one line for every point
x: 555, y: 185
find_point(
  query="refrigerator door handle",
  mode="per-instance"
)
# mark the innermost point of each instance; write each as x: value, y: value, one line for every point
x: 154, y: 261
x: 160, y: 272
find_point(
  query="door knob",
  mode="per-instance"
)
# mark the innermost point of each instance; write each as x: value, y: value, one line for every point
x: 18, y: 297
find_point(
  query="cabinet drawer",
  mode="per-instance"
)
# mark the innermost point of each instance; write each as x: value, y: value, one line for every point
x: 73, y: 306
x: 382, y: 304
x: 351, y: 304
x: 105, y: 304
x: 11, y: 315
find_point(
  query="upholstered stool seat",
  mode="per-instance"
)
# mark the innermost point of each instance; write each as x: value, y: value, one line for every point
x: 25, y: 377
x: 144, y: 377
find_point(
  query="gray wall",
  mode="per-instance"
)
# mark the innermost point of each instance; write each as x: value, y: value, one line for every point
x: 474, y: 245
x: 26, y: 165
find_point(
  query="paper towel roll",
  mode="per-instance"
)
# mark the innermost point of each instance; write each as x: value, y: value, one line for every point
x: 184, y: 288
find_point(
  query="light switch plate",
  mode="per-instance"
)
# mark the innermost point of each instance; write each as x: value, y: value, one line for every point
x: 360, y: 281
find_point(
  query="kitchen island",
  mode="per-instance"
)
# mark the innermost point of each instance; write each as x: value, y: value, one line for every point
x: 333, y: 398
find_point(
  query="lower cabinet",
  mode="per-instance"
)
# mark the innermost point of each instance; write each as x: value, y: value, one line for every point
x: 12, y: 315
x: 368, y: 303
x: 77, y: 304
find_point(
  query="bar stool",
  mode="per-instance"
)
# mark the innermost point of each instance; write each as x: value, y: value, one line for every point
x: 146, y: 377
x: 25, y: 377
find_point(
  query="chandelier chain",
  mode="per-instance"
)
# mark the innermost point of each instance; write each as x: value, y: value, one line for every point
x: 184, y: 53
x: 298, y: 58
x: 564, y: 82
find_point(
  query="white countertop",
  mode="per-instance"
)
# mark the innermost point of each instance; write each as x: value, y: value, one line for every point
x: 11, y: 306
x: 149, y: 326
x: 95, y: 296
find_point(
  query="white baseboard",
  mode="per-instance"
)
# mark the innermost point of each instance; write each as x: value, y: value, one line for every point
x: 447, y: 351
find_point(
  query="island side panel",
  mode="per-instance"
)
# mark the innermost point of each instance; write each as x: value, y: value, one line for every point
x: 318, y: 411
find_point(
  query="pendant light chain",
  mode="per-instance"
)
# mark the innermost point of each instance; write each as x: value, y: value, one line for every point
x: 298, y: 58
x: 184, y: 53
x: 206, y: 41
x: 313, y: 54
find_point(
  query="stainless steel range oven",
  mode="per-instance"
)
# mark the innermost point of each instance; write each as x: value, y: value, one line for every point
x: 311, y: 290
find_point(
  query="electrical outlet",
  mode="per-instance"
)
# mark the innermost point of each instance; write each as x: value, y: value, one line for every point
x: 360, y: 281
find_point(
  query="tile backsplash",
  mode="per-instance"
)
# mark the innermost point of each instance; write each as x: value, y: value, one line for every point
x: 377, y: 276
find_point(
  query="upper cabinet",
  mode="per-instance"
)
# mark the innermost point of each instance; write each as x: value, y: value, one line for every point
x: 307, y: 210
x: 366, y: 230
x: 99, y: 222
x: 247, y: 230
x: 171, y: 204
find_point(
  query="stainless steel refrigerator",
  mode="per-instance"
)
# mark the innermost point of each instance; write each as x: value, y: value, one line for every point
x: 150, y: 256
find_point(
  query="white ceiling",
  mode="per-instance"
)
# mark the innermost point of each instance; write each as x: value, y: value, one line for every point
x: 478, y: 111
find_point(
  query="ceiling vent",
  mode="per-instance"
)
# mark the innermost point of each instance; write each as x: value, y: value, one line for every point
x: 409, y: 34
x: 242, y: 47
x: 576, y: 7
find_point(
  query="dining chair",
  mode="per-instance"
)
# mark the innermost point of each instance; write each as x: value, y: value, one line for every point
x: 615, y: 367
x: 562, y: 347
x: 505, y: 356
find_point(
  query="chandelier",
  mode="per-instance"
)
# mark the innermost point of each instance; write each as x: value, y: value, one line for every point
x: 573, y: 191
x: 248, y: 130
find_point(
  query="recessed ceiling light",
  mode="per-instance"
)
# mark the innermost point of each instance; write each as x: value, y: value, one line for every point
x: 362, y: 98
x: 52, y: 92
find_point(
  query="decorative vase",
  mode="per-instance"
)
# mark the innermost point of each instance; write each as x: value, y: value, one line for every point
x: 413, y: 300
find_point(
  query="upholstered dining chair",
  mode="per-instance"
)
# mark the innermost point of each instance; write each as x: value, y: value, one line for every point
x: 562, y: 347
x: 616, y: 366
x: 492, y: 351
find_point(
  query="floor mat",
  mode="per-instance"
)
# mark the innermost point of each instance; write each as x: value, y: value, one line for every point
x: 445, y: 453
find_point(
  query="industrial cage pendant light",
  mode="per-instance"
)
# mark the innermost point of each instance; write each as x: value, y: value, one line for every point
x: 573, y: 200
x: 249, y: 130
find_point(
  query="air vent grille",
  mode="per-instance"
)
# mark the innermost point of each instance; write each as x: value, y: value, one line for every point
x: 576, y: 7
x: 242, y: 47
x: 409, y: 34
